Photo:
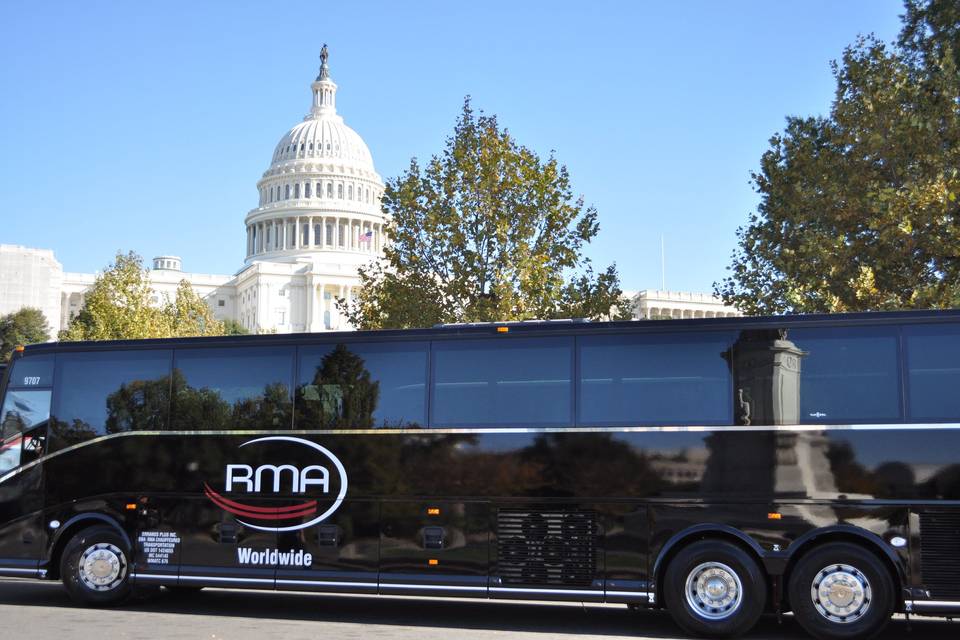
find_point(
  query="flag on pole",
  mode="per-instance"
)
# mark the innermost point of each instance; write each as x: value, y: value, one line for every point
x: 366, y: 237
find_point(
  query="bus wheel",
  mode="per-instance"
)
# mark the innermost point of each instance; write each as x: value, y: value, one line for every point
x: 841, y: 590
x: 714, y: 588
x: 95, y: 567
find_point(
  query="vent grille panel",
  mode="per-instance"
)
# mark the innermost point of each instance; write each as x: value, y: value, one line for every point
x: 546, y: 547
x: 940, y: 552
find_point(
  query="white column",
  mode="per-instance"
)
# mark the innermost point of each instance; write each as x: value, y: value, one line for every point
x: 322, y: 306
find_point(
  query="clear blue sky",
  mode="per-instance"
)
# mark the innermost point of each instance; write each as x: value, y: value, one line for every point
x: 145, y: 126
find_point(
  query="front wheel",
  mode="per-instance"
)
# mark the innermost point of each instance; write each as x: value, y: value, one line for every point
x: 841, y: 591
x: 714, y: 588
x: 95, y: 567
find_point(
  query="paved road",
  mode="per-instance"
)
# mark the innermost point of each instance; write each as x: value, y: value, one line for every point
x: 42, y: 611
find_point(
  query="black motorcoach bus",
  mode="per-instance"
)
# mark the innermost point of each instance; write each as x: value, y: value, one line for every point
x: 718, y: 468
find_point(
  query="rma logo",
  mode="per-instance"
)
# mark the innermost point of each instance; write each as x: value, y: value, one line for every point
x: 260, y: 481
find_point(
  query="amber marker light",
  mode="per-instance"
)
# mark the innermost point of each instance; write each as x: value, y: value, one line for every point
x: 774, y: 516
x: 131, y: 506
x: 433, y: 511
x: 18, y: 348
x: 433, y: 562
x: 503, y: 329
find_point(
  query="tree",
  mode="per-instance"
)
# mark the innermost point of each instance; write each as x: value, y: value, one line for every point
x: 120, y: 306
x: 26, y: 326
x: 859, y: 210
x: 233, y: 328
x: 487, y: 231
x: 189, y: 315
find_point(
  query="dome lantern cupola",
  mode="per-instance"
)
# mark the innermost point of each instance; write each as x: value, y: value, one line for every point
x: 324, y: 90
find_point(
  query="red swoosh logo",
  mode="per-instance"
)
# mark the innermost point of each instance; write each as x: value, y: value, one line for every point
x: 260, y: 513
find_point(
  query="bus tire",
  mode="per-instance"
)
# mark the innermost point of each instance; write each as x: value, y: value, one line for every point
x: 841, y: 590
x: 714, y: 588
x: 95, y: 567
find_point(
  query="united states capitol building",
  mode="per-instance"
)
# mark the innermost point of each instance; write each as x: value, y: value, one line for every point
x: 317, y: 220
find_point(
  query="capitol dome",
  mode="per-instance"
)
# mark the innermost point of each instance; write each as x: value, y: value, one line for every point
x: 321, y: 194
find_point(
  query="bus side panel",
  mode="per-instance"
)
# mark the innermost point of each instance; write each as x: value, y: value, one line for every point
x: 626, y: 541
x: 340, y: 554
x: 436, y: 546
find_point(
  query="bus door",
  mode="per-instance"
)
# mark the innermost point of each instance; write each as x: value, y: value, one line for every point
x: 434, y: 547
x: 24, y: 415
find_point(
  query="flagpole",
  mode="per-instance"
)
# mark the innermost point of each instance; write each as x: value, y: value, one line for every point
x: 663, y: 265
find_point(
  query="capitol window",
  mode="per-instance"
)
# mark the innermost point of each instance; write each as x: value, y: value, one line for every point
x: 340, y: 191
x: 350, y: 192
x: 271, y: 194
x: 319, y: 189
x: 329, y: 235
x: 329, y: 189
x: 296, y: 190
x: 316, y: 234
x: 306, y: 189
x: 286, y: 192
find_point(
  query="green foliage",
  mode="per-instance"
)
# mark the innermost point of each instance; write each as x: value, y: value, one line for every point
x: 23, y: 327
x: 859, y: 210
x: 119, y: 307
x: 487, y: 231
x: 233, y: 328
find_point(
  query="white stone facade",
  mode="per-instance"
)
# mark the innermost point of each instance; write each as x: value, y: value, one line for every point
x: 653, y: 304
x: 317, y: 220
x: 30, y: 278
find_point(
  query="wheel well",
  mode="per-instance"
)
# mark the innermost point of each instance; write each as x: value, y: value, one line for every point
x: 66, y: 534
x: 851, y: 538
x: 697, y: 536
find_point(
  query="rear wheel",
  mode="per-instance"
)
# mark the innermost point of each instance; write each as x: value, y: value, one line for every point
x: 714, y: 588
x: 95, y: 567
x: 841, y: 591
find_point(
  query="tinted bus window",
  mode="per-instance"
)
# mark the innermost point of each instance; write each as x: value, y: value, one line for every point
x: 32, y: 371
x: 362, y: 386
x: 502, y: 382
x: 106, y: 392
x: 220, y: 389
x: 848, y: 374
x: 24, y: 410
x: 654, y: 379
x: 933, y: 372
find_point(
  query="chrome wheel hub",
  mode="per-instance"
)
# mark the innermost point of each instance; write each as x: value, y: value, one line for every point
x: 841, y: 593
x: 102, y: 567
x: 713, y: 590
